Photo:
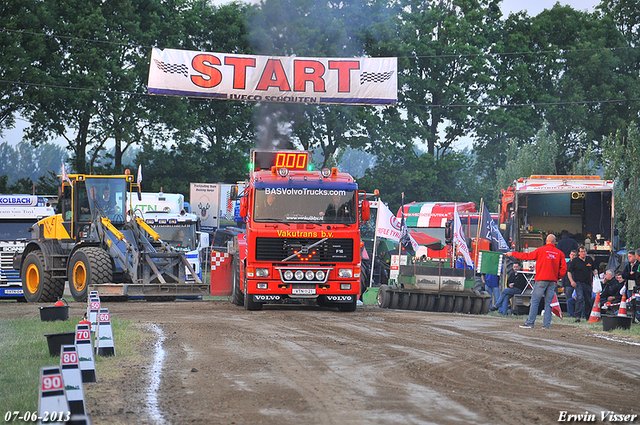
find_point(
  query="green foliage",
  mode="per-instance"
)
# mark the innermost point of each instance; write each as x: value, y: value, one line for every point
x: 620, y: 154
x: 529, y: 159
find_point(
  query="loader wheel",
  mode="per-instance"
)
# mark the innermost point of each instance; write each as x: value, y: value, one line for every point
x: 37, y: 284
x: 383, y: 298
x: 236, y: 296
x: 88, y: 266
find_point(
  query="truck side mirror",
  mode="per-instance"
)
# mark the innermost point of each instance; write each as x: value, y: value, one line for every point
x: 244, y: 206
x: 233, y: 193
x: 366, y: 212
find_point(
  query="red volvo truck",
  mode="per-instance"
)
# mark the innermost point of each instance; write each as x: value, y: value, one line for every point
x: 302, y: 238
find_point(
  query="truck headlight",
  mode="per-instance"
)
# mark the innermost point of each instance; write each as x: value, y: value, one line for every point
x: 320, y: 275
x: 262, y: 272
x: 309, y: 275
x: 345, y: 286
x: 288, y: 275
x: 299, y: 275
x: 345, y: 273
x: 262, y: 285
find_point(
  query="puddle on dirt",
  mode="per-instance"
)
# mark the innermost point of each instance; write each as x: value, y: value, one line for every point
x: 154, y: 378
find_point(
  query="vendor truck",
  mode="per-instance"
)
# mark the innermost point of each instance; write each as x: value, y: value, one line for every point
x: 302, y: 239
x: 533, y: 207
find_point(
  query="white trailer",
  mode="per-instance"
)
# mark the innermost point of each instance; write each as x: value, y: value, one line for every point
x: 17, y: 214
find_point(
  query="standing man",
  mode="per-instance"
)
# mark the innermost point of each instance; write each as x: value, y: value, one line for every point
x: 568, y: 289
x: 567, y: 244
x: 581, y: 271
x: 550, y: 267
x: 630, y: 272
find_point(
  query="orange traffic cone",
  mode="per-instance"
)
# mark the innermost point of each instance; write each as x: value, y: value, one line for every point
x: 595, y: 311
x: 623, y: 306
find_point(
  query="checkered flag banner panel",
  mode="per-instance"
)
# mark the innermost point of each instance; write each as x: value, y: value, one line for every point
x: 375, y: 77
x: 229, y: 213
x: 171, y: 68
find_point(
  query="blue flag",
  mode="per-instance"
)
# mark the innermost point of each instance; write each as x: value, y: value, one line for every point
x: 489, y: 231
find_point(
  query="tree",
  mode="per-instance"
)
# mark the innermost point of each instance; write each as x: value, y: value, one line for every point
x: 620, y: 154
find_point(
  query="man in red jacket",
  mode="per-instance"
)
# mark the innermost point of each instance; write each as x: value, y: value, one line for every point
x: 550, y: 267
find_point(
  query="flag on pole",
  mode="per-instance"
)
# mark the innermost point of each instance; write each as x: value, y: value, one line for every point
x: 139, y: 182
x: 65, y: 176
x: 387, y: 225
x: 555, y: 306
x: 459, y: 239
x: 489, y: 231
x: 406, y: 240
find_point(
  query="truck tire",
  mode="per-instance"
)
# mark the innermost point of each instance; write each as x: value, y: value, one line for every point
x: 383, y: 297
x: 466, y: 305
x: 476, y: 305
x: 422, y: 304
x: 249, y: 303
x: 348, y: 307
x: 395, y: 300
x: 448, y: 303
x: 414, y: 301
x: 486, y: 305
x: 236, y: 297
x: 440, y: 303
x: 431, y: 302
x: 37, y: 284
x: 88, y: 266
x: 458, y: 304
x: 404, y: 301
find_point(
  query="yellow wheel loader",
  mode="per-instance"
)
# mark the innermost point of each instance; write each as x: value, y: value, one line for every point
x: 97, y: 243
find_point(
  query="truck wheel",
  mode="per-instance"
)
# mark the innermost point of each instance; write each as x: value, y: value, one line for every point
x: 88, y: 266
x: 348, y: 307
x: 448, y: 304
x: 431, y: 302
x: 476, y: 305
x: 466, y: 305
x: 395, y: 300
x: 440, y: 303
x: 249, y: 303
x: 458, y: 304
x: 414, y: 301
x: 37, y: 284
x: 383, y: 297
x: 236, y: 296
x: 486, y: 305
x: 405, y: 300
x: 422, y: 304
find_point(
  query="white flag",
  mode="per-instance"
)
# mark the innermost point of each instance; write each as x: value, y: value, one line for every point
x: 388, y: 225
x: 139, y: 173
x: 65, y: 176
x: 458, y: 238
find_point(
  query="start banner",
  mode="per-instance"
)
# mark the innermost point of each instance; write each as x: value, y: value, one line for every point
x: 357, y: 81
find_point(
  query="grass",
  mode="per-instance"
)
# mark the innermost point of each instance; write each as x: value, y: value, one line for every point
x: 24, y: 351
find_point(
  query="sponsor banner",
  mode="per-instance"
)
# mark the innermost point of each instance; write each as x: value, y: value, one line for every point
x: 17, y: 200
x: 204, y: 199
x: 356, y: 81
x: 388, y: 226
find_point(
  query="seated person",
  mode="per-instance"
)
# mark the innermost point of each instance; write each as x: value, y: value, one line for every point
x: 611, y: 289
x: 268, y: 208
x: 516, y: 283
x: 336, y: 209
x: 106, y: 202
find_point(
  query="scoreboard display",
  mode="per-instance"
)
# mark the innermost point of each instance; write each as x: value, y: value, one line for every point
x: 293, y: 160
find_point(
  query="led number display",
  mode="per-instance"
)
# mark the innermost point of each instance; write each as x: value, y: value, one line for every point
x: 293, y: 160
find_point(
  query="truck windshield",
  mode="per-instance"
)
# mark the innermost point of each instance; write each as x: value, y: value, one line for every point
x: 182, y: 237
x: 15, y: 230
x: 305, y: 205
x: 106, y: 195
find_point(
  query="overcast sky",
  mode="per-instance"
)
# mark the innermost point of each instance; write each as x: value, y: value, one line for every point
x: 533, y: 7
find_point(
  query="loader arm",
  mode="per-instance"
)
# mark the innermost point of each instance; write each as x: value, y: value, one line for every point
x: 110, y: 236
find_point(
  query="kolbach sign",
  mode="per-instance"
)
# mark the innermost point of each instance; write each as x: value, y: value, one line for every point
x: 357, y: 81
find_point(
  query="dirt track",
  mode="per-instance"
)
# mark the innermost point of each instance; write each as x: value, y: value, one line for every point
x: 304, y: 365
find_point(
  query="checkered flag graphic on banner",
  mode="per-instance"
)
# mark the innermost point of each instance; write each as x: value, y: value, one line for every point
x: 375, y: 77
x: 172, y: 68
x: 229, y: 213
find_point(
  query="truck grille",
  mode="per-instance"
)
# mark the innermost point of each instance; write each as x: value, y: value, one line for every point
x: 7, y: 274
x: 331, y: 250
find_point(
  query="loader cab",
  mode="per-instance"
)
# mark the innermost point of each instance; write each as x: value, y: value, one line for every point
x: 90, y: 196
